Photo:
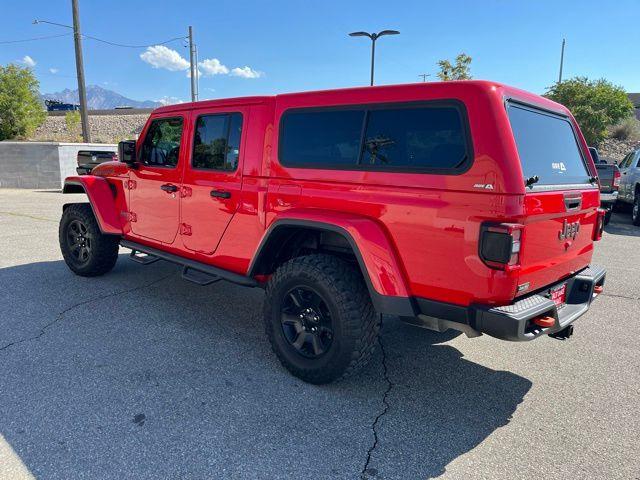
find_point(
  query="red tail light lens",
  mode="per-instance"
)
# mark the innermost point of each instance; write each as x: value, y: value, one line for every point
x: 616, y: 179
x: 501, y: 245
x: 599, y: 228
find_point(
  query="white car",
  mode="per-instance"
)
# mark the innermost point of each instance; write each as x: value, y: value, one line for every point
x: 629, y: 191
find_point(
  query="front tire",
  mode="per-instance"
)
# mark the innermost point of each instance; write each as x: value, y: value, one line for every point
x: 319, y: 318
x: 635, y: 212
x: 86, y: 250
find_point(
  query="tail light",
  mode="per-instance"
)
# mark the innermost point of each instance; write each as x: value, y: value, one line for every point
x: 616, y: 179
x: 500, y: 245
x: 599, y: 228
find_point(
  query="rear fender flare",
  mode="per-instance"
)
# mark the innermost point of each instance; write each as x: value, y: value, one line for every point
x: 374, y: 252
x: 101, y: 199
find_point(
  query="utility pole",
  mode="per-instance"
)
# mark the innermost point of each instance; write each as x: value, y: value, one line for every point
x: 424, y: 76
x: 82, y: 93
x: 194, y: 67
x: 561, y: 61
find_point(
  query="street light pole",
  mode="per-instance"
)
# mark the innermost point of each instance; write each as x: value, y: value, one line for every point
x: 561, y: 61
x: 82, y: 93
x: 373, y: 37
x: 193, y: 66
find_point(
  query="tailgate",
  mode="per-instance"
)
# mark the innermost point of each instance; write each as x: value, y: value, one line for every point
x: 558, y: 235
x: 561, y: 200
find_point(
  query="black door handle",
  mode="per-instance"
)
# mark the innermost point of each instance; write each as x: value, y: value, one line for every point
x: 169, y: 188
x: 220, y: 194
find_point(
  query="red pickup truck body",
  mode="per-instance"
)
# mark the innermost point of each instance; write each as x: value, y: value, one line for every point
x: 417, y: 234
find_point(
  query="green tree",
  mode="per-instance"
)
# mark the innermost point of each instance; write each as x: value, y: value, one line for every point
x: 20, y: 109
x: 596, y: 105
x: 460, y: 70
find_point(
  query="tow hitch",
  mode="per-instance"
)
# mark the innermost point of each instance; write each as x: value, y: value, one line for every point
x: 563, y: 334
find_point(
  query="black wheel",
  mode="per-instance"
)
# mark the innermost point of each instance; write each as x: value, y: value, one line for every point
x: 607, y: 216
x: 635, y: 212
x: 319, y: 318
x: 86, y: 251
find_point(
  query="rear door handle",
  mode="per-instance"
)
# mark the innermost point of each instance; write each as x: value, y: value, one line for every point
x: 169, y: 188
x: 220, y: 194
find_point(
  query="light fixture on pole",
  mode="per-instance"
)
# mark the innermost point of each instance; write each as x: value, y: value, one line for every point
x: 373, y: 37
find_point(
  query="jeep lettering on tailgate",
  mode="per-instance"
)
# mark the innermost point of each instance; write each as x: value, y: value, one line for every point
x: 344, y: 205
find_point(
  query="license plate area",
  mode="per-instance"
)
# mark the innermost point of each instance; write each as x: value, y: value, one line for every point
x: 558, y: 295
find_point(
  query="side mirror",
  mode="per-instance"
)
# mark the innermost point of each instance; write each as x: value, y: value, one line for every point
x: 127, y: 152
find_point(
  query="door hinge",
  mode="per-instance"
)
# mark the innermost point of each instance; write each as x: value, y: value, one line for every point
x: 185, y: 229
x: 129, y: 216
x: 130, y: 184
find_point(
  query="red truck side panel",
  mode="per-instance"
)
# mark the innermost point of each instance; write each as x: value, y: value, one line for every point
x: 102, y: 201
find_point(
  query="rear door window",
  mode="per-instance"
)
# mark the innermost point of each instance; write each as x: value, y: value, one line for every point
x: 547, y: 147
x: 216, y: 142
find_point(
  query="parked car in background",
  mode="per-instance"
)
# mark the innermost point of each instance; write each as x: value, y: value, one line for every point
x: 609, y: 178
x: 629, y: 191
x: 88, y: 159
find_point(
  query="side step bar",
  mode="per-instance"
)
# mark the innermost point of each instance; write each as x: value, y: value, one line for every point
x: 198, y: 272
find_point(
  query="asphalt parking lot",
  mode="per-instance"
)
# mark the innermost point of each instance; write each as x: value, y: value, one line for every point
x: 139, y: 374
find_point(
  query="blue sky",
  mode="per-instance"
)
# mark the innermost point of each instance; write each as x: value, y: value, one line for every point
x: 303, y: 45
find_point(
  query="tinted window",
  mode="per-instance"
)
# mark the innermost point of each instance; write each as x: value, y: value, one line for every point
x: 547, y: 147
x: 216, y: 143
x: 321, y: 138
x: 411, y: 138
x: 161, y: 146
x: 423, y: 138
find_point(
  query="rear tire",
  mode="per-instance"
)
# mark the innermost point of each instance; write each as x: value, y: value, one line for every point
x: 86, y: 250
x: 319, y: 318
x: 635, y: 211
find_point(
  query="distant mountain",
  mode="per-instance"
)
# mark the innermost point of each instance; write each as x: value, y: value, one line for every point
x: 99, y: 98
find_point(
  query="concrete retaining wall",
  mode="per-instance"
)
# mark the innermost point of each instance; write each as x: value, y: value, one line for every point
x: 41, y: 164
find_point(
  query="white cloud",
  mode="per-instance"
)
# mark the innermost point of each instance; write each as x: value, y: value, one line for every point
x: 212, y: 66
x: 160, y: 56
x: 245, y: 72
x: 54, y: 70
x: 169, y: 100
x: 28, y: 61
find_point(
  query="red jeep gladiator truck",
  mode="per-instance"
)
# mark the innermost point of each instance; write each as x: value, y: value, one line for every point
x: 457, y: 205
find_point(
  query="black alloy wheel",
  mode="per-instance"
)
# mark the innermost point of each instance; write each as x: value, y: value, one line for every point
x: 306, y: 322
x: 79, y: 241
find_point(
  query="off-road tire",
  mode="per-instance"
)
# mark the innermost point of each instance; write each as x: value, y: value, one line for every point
x: 355, y: 322
x: 635, y: 211
x: 103, y: 249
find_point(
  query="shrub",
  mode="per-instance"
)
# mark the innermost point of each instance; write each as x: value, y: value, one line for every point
x: 21, y: 111
x: 596, y: 105
x: 627, y: 129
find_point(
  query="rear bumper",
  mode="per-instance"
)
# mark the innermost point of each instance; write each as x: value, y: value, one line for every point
x: 515, y: 322
x: 512, y: 322
x: 608, y: 198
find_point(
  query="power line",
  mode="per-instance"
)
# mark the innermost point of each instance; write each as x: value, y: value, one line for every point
x: 4, y: 42
x: 132, y: 46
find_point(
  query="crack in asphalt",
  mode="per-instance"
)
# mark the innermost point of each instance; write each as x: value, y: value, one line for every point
x: 61, y: 314
x: 25, y: 215
x: 365, y: 473
x: 614, y: 295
